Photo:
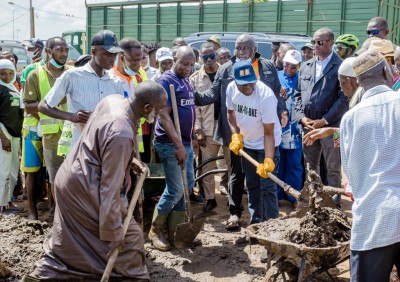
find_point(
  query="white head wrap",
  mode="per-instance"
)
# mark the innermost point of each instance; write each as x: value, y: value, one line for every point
x: 7, y: 64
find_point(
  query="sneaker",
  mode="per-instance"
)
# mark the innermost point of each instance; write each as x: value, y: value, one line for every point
x: 223, y: 190
x: 210, y: 205
x: 246, y: 240
x: 196, y: 199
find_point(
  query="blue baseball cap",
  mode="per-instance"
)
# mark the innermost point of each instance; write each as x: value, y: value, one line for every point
x: 243, y: 72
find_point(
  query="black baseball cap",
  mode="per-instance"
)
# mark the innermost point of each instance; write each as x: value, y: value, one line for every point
x: 108, y: 40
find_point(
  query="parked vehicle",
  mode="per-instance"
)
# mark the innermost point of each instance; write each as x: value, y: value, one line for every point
x: 18, y: 48
x: 263, y: 40
x: 77, y: 39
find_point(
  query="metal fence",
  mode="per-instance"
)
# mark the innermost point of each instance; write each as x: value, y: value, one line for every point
x: 163, y: 20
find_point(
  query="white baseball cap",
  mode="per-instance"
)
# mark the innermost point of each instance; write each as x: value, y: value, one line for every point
x: 163, y: 53
x: 293, y: 57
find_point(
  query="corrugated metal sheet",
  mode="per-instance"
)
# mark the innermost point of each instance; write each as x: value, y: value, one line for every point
x: 163, y: 20
x: 390, y: 10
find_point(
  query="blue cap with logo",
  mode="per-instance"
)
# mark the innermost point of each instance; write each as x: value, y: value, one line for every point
x: 244, y: 73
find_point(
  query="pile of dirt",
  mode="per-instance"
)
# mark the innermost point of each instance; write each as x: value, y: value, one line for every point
x: 324, y: 227
x: 21, y: 243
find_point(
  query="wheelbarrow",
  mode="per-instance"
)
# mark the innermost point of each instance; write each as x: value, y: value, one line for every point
x: 295, y: 260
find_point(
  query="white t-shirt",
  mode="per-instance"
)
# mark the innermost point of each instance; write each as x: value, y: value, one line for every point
x: 252, y: 112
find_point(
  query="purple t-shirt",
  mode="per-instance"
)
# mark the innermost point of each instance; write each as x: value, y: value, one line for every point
x: 185, y: 102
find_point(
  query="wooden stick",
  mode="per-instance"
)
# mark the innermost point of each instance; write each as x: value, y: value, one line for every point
x: 288, y: 189
x: 128, y: 217
x: 183, y: 169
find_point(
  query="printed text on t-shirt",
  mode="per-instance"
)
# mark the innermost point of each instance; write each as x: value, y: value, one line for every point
x: 245, y: 110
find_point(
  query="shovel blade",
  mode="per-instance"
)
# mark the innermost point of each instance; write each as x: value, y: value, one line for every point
x: 185, y: 233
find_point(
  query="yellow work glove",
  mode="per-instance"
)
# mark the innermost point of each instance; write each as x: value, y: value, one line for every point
x: 237, y: 143
x: 267, y: 166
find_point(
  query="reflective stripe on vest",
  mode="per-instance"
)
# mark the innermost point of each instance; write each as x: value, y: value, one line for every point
x: 30, y: 120
x: 49, y: 125
x: 64, y: 144
x: 142, y: 73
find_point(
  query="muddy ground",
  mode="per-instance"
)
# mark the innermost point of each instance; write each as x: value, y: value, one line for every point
x: 218, y: 259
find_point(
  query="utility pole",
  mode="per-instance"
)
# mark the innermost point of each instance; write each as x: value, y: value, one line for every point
x: 32, y: 19
x: 13, y: 24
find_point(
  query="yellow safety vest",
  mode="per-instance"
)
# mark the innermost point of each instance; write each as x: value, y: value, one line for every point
x: 64, y: 144
x: 142, y: 120
x: 49, y: 125
x: 30, y: 120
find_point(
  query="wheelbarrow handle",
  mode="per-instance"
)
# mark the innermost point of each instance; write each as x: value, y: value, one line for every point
x: 286, y: 187
x: 127, y: 219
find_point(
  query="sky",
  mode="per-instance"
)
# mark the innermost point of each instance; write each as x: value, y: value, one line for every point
x: 50, y: 18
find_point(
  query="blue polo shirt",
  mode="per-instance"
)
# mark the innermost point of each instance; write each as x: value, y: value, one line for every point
x: 186, y: 110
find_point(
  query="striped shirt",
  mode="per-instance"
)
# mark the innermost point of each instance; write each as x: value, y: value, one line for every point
x: 84, y: 89
x: 370, y: 134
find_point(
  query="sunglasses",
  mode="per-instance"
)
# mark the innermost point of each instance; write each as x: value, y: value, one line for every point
x: 373, y: 31
x: 340, y: 48
x: 319, y: 42
x: 211, y: 56
x: 289, y: 67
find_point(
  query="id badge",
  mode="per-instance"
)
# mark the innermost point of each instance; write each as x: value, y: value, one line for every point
x: 15, y: 101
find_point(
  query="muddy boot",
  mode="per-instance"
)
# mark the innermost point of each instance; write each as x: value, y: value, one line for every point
x: 156, y: 233
x: 174, y: 218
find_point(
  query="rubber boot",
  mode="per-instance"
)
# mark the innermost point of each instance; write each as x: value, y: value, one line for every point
x: 174, y: 218
x: 156, y: 233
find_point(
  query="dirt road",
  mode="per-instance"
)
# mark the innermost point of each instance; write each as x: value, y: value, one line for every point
x: 217, y: 260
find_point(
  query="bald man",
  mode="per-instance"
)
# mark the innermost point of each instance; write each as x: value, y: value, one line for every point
x: 91, y: 195
x: 173, y: 152
x: 179, y: 41
x: 245, y: 49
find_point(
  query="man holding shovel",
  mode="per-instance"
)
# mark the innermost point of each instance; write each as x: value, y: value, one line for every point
x: 174, y: 153
x: 255, y: 129
x: 90, y: 194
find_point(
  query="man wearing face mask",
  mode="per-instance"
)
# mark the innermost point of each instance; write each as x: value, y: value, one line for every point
x: 245, y: 49
x: 35, y: 47
x: 128, y: 64
x: 150, y: 71
x: 38, y: 84
x: 128, y: 69
x: 85, y: 87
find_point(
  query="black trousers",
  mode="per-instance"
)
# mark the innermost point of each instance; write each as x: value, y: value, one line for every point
x: 236, y: 185
x: 374, y: 265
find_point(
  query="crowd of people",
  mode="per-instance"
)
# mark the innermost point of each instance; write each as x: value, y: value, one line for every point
x: 332, y: 104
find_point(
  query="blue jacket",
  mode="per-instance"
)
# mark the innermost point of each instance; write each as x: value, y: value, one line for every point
x: 326, y: 98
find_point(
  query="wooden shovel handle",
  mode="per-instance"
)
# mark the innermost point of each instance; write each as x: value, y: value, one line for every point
x: 128, y: 217
x: 288, y: 189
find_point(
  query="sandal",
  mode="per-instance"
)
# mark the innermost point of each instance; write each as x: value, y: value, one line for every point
x: 233, y: 222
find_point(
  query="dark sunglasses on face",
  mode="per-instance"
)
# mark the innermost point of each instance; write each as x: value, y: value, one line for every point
x: 319, y: 42
x: 211, y: 56
x: 373, y: 31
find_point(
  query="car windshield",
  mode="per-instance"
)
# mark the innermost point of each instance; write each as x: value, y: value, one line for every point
x: 21, y: 53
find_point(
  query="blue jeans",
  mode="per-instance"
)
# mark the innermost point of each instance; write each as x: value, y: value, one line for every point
x: 263, y: 199
x: 172, y: 198
x: 290, y: 171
